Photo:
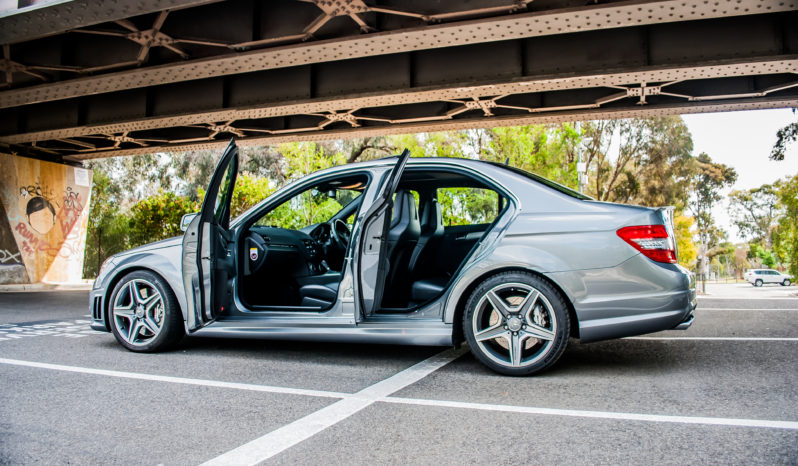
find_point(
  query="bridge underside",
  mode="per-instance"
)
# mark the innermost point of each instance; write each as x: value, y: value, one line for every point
x: 268, y: 72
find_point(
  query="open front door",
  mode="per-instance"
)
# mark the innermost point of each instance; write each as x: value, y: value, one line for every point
x: 372, y: 260
x: 208, y: 263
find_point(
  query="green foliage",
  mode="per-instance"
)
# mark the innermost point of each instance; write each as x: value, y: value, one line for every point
x: 158, y: 217
x: 547, y: 151
x: 683, y: 228
x: 468, y: 206
x: 754, y: 212
x: 708, y: 180
x: 107, y: 228
x: 785, y: 237
x: 249, y: 190
x: 784, y: 137
x: 639, y: 161
x: 765, y: 256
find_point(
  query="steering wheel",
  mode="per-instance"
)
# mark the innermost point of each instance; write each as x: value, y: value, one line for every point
x: 340, y: 234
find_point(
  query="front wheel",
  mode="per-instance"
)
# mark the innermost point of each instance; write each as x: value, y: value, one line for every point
x: 516, y: 323
x: 144, y: 314
x: 758, y: 283
x: 786, y: 282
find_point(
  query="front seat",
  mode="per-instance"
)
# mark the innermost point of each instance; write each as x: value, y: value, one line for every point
x: 403, y: 233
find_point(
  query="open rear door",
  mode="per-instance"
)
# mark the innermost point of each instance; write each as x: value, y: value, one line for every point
x: 372, y: 260
x: 207, y: 250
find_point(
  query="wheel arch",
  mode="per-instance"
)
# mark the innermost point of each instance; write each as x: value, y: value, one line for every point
x: 121, y: 274
x: 459, y: 308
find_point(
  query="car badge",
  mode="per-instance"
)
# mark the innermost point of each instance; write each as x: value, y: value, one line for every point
x: 253, y: 254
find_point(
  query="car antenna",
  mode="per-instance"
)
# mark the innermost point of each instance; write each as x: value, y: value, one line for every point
x: 507, y: 161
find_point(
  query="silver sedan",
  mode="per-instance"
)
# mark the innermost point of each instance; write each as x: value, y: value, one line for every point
x: 417, y: 252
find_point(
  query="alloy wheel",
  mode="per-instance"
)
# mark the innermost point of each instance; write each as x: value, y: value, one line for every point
x: 138, y: 312
x: 514, y: 325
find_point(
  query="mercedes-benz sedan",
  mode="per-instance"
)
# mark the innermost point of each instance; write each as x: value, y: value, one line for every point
x: 418, y: 252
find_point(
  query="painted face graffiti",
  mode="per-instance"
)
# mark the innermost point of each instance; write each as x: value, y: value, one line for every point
x: 41, y: 215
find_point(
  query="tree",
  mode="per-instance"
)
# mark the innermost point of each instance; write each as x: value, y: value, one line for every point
x: 107, y: 225
x: 754, y: 212
x: 707, y: 182
x: 784, y: 137
x: 653, y: 165
x: 785, y: 236
x: 683, y: 229
x: 158, y: 217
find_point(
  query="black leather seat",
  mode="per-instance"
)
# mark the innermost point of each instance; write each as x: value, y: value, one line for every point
x: 422, y: 261
x: 319, y: 290
x: 431, y: 233
x: 403, y: 234
x: 424, y: 290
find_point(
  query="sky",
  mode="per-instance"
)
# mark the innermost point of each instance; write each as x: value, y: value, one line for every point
x: 743, y: 140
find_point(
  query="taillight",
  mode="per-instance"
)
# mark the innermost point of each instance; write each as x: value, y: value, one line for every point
x: 651, y: 240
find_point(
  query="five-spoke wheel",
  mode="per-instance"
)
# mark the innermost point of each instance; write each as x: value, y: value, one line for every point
x: 516, y: 323
x: 143, y: 313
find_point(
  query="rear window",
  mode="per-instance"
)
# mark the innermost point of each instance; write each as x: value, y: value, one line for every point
x: 468, y: 206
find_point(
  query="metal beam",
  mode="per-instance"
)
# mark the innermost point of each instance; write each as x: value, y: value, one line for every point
x: 536, y: 24
x: 615, y: 79
x: 38, y: 21
x: 454, y: 125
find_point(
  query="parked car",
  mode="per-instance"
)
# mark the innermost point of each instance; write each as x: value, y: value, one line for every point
x: 759, y: 277
x: 428, y: 251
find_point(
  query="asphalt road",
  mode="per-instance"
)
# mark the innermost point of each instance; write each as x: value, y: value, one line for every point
x: 723, y: 391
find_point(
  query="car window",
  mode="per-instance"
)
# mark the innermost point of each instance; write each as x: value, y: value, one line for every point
x: 224, y: 192
x: 312, y: 206
x: 468, y: 206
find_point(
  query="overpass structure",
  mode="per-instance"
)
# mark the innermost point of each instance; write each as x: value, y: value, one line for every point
x: 82, y: 79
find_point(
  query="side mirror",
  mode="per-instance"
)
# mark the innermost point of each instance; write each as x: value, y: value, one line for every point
x: 186, y: 220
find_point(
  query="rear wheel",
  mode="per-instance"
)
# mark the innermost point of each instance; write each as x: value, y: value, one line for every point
x: 786, y: 282
x: 516, y: 323
x: 758, y: 282
x: 144, y: 313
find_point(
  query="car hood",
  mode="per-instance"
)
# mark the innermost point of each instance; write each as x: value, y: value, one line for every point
x: 177, y: 241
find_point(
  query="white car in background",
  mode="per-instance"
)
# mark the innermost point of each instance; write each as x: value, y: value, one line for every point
x: 759, y: 277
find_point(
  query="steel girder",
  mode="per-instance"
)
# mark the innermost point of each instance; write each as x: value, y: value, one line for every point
x: 508, y: 66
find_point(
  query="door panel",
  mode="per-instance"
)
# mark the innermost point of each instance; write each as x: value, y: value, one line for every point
x: 206, y: 276
x: 372, y: 260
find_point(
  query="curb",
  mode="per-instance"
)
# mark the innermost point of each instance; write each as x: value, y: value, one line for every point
x: 33, y: 287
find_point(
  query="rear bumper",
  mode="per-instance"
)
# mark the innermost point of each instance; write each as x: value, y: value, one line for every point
x: 637, y: 297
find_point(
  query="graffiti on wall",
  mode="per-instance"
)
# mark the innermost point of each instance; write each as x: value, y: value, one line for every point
x: 46, y: 210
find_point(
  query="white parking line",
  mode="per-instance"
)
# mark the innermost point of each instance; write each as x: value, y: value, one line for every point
x: 289, y: 435
x: 701, y: 309
x: 179, y: 380
x: 752, y: 298
x: 715, y: 338
x: 716, y: 421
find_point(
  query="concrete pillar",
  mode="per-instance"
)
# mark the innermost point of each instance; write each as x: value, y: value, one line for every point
x: 44, y: 211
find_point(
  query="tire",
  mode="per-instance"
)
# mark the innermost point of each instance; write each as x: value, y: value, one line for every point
x: 149, y: 321
x: 786, y: 282
x: 537, y: 330
x: 758, y: 282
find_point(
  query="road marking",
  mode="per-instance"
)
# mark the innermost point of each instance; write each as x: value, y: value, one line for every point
x: 179, y: 380
x: 752, y: 298
x: 289, y: 435
x: 717, y: 421
x: 701, y: 309
x: 714, y: 338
